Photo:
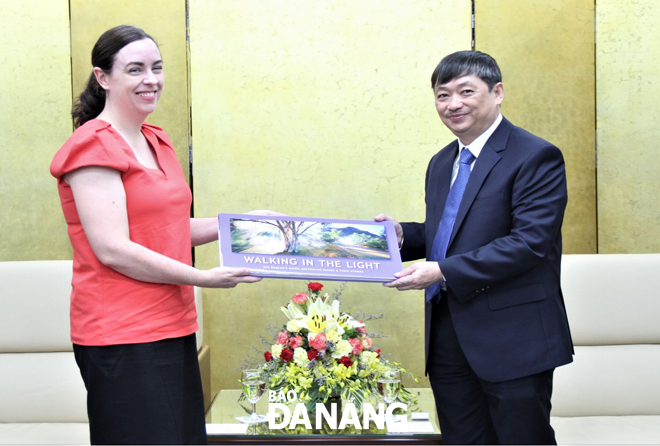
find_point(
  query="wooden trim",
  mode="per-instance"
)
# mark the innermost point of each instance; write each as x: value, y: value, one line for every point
x: 204, y: 357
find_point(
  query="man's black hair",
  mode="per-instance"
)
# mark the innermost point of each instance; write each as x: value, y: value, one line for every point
x: 465, y: 63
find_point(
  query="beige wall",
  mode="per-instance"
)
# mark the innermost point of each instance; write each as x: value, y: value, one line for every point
x: 627, y: 66
x: 545, y: 49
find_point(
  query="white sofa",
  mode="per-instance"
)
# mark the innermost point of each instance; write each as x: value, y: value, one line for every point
x: 610, y: 394
x: 42, y: 396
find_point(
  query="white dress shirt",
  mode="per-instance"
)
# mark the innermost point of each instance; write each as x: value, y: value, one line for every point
x: 475, y: 149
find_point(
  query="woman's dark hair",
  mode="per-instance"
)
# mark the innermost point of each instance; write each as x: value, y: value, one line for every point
x: 463, y: 63
x: 91, y: 101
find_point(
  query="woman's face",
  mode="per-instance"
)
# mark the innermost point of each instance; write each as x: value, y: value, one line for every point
x: 137, y: 80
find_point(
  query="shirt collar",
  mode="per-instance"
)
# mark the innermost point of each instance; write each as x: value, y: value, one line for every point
x: 480, y: 142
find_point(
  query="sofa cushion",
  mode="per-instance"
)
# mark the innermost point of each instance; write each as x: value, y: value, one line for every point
x: 612, y: 298
x: 41, y: 388
x: 638, y: 429
x: 44, y: 433
x: 36, y: 297
x: 609, y: 380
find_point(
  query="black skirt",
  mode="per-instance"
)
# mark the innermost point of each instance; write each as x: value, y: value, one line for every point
x: 144, y: 393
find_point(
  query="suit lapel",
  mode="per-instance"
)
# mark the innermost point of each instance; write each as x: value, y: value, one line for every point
x: 488, y: 158
x: 441, y: 178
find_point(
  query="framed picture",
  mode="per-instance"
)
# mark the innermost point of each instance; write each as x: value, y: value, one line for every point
x: 309, y: 248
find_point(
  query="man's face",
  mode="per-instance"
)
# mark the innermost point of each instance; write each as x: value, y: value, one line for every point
x: 466, y: 106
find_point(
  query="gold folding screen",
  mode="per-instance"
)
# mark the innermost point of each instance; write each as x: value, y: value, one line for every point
x: 545, y: 49
x: 35, y: 101
x: 315, y: 109
x: 627, y: 66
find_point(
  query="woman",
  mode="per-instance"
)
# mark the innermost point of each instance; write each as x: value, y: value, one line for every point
x: 127, y: 207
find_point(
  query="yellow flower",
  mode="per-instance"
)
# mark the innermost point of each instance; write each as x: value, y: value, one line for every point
x: 304, y: 382
x: 343, y: 373
x: 292, y: 372
x: 321, y: 318
x: 368, y: 358
x: 332, y: 336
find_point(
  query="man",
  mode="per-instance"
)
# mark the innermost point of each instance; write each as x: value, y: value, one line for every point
x: 496, y: 325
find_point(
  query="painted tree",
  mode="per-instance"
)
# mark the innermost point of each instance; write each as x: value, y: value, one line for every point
x: 290, y: 230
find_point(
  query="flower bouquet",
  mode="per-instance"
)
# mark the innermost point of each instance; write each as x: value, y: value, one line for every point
x: 322, y: 353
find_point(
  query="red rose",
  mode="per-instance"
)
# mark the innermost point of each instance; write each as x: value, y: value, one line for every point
x: 268, y: 356
x: 312, y: 354
x: 286, y: 355
x: 378, y: 351
x: 315, y: 286
x: 346, y: 361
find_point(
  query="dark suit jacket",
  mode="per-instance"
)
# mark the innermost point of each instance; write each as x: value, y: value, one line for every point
x: 503, y: 259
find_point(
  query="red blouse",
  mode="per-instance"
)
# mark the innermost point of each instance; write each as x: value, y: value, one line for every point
x: 107, y: 307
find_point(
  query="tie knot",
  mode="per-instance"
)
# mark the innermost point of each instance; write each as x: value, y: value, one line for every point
x: 466, y: 156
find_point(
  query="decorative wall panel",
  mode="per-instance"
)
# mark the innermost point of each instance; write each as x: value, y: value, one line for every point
x: 35, y: 74
x: 627, y: 66
x: 320, y: 109
x: 545, y: 49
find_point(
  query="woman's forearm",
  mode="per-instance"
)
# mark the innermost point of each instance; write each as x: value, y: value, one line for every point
x: 203, y: 230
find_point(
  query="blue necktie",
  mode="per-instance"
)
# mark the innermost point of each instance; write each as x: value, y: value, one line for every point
x: 441, y: 241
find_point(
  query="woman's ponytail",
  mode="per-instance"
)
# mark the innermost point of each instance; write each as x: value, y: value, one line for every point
x: 89, y: 104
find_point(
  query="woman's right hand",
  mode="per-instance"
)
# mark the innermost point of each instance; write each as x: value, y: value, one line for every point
x: 223, y: 277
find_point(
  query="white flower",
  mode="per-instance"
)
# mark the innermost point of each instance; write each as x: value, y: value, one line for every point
x: 347, y: 322
x: 293, y: 326
x: 368, y: 358
x: 344, y: 348
x: 300, y: 357
x: 293, y: 311
x: 276, y: 350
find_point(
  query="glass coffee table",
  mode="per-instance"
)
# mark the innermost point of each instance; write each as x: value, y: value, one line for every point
x: 223, y: 428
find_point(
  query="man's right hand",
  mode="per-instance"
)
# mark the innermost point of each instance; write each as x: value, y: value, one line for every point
x: 397, y: 226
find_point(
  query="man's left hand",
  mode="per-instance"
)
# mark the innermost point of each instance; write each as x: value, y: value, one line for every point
x: 417, y: 276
